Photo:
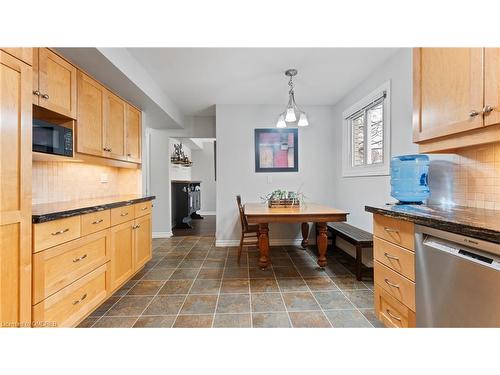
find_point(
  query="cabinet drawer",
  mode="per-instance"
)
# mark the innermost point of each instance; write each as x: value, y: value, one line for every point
x: 55, y: 232
x: 143, y: 208
x: 396, y: 285
x: 391, y: 312
x: 95, y: 221
x: 122, y: 214
x: 395, y: 257
x: 399, y: 232
x: 70, y: 305
x: 56, y: 268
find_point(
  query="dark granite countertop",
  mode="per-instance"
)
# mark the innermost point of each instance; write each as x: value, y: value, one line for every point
x: 59, y: 210
x: 473, y: 222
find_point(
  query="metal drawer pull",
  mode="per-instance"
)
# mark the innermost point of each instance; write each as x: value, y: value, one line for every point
x: 98, y: 221
x: 144, y: 208
x: 387, y: 255
x: 391, y: 230
x: 80, y: 258
x: 392, y: 316
x: 124, y: 214
x: 391, y: 284
x: 136, y: 226
x: 80, y: 300
x: 60, y: 232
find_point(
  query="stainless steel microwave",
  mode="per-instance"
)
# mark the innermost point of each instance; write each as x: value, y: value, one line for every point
x: 52, y: 139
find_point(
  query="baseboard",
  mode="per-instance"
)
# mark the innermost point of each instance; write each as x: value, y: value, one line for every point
x: 272, y: 242
x: 162, y: 234
x: 209, y: 213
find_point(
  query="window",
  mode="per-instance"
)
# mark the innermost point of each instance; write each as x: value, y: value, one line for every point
x: 366, y: 135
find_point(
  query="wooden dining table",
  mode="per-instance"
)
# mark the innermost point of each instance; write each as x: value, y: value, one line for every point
x: 262, y: 215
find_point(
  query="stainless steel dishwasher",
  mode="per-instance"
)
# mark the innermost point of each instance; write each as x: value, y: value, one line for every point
x: 457, y: 280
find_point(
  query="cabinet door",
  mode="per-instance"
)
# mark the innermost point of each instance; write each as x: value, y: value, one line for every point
x: 448, y: 91
x: 114, y: 123
x: 134, y: 126
x: 24, y: 54
x: 143, y: 241
x: 122, y: 253
x: 15, y: 191
x: 56, y: 83
x: 90, y: 116
x: 491, y: 86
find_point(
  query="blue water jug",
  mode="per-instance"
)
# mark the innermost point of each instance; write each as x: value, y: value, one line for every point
x: 409, y: 178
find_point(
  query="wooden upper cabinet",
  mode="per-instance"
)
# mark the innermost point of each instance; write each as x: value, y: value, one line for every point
x: 491, y: 86
x: 448, y: 91
x: 134, y: 126
x: 90, y: 119
x: 22, y: 53
x: 114, y: 127
x: 15, y: 191
x: 56, y: 89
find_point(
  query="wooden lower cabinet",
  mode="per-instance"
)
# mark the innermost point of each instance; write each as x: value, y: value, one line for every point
x: 143, y: 241
x: 70, y: 305
x: 61, y: 265
x: 122, y: 253
x: 131, y: 249
x: 391, y: 312
x: 394, y: 271
x: 71, y: 278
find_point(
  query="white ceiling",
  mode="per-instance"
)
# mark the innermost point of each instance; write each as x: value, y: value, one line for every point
x: 198, y: 78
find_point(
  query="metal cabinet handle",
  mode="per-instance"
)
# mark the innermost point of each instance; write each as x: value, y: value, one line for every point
x: 80, y: 258
x: 391, y: 284
x: 129, y: 155
x: 80, y: 300
x: 144, y: 208
x: 473, y: 113
x: 391, y: 230
x: 45, y: 96
x: 387, y: 255
x: 487, y: 109
x: 60, y: 232
x: 98, y: 221
x: 124, y: 214
x: 392, y: 316
x: 36, y: 92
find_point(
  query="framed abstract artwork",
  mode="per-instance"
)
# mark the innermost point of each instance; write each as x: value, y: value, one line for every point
x: 276, y: 150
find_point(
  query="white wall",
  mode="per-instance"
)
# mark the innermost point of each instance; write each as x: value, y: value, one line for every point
x: 159, y: 181
x: 353, y: 193
x: 203, y: 170
x: 236, y: 174
x: 177, y: 172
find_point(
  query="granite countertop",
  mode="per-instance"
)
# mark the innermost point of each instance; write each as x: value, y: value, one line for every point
x: 58, y: 210
x: 473, y: 222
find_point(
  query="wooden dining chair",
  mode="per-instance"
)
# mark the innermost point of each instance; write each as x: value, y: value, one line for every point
x: 249, y: 233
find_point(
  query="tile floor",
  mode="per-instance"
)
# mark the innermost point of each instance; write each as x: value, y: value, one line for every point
x: 191, y: 283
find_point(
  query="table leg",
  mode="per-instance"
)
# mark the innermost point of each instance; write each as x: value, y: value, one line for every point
x: 322, y: 242
x: 263, y: 245
x: 305, y: 234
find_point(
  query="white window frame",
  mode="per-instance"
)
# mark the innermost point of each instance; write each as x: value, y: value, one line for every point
x: 379, y: 169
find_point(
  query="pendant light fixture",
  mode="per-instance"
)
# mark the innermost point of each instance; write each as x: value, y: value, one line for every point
x: 292, y: 112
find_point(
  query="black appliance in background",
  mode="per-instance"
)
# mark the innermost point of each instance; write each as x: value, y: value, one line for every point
x: 52, y: 139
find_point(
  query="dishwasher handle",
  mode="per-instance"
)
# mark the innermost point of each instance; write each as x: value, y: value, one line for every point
x: 466, y: 253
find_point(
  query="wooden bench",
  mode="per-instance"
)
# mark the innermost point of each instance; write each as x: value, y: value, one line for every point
x: 358, y: 237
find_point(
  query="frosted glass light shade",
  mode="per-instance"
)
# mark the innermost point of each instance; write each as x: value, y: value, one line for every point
x: 290, y: 115
x: 303, y: 120
x: 281, y: 122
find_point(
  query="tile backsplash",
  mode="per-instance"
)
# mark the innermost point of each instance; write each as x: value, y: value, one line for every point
x: 477, y: 177
x: 55, y: 182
